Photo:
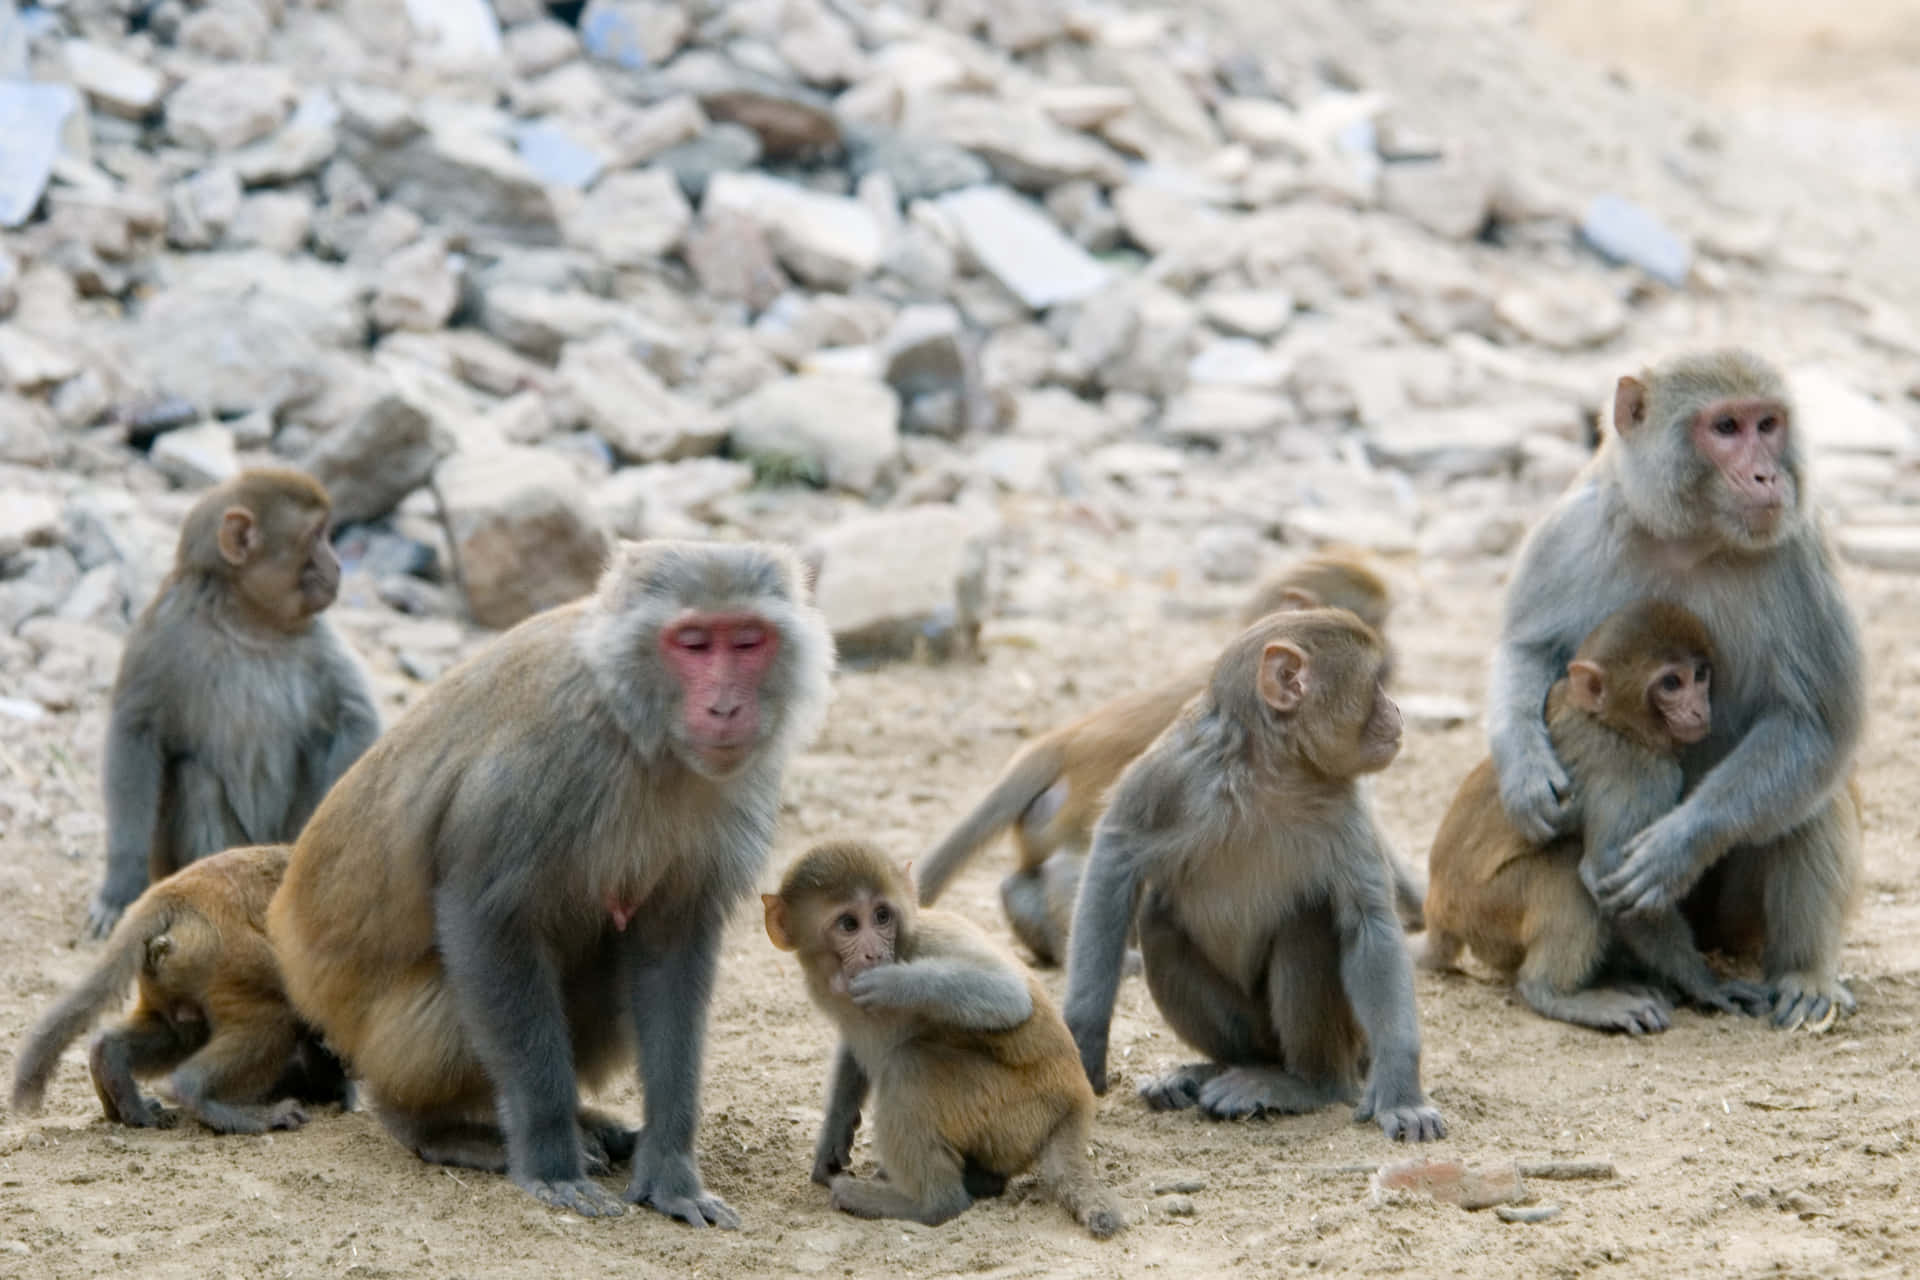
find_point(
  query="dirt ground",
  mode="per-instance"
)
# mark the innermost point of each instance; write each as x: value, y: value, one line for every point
x: 1739, y: 1150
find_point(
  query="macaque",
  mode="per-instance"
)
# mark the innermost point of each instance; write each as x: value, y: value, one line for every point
x: 1051, y: 792
x: 1636, y: 693
x: 1699, y: 497
x: 211, y: 1010
x: 1244, y: 850
x: 974, y: 1076
x: 525, y: 880
x: 236, y: 705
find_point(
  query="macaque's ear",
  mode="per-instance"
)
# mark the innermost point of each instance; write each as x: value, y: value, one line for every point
x: 1586, y: 685
x: 239, y: 536
x: 1629, y: 405
x: 777, y: 932
x: 1283, y: 676
x: 906, y: 874
x: 1298, y: 598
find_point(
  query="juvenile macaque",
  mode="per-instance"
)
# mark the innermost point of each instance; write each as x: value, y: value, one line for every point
x: 526, y: 879
x: 211, y: 1009
x: 1243, y: 847
x: 1699, y: 497
x: 1635, y: 695
x: 236, y: 705
x: 1051, y: 792
x: 973, y: 1074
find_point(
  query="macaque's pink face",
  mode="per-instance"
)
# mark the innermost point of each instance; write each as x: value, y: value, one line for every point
x: 1745, y: 440
x: 1678, y: 695
x: 864, y: 933
x: 719, y: 660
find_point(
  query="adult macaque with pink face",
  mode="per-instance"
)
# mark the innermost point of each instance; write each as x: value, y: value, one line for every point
x: 527, y: 879
x: 1699, y: 497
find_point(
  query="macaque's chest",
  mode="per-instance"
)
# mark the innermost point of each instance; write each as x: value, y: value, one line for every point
x: 254, y: 737
x: 1235, y: 902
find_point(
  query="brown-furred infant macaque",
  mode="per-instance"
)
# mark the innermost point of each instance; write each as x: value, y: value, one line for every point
x: 1634, y: 696
x: 973, y: 1074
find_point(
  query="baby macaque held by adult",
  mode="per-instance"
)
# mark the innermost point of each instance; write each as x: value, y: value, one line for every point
x: 1699, y: 497
x: 1635, y: 695
x: 1051, y: 792
x: 1243, y: 846
x: 527, y: 878
x: 236, y: 706
x: 974, y: 1077
x: 211, y: 1010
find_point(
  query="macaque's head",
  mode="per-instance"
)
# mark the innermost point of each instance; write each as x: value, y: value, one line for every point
x: 1647, y: 672
x: 843, y: 908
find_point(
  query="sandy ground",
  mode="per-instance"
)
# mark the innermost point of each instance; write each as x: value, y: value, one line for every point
x: 1740, y: 1150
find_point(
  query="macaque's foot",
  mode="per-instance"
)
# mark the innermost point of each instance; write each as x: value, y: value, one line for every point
x: 1179, y: 1088
x: 669, y: 1183
x: 1636, y: 1011
x: 148, y: 1114
x: 1735, y: 995
x: 1239, y: 1092
x: 1802, y: 1000
x: 288, y: 1113
x: 1420, y: 1123
x: 586, y: 1198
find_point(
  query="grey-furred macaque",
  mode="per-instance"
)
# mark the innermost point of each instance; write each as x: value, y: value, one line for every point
x: 1699, y: 497
x: 973, y: 1075
x: 236, y: 706
x: 526, y: 879
x: 1636, y: 693
x: 1243, y: 846
x: 1052, y: 791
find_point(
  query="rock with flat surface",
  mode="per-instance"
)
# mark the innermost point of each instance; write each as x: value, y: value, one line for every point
x: 373, y: 462
x: 1026, y: 148
x: 1627, y: 232
x: 197, y: 457
x: 112, y: 81
x: 461, y: 177
x: 631, y: 408
x: 1020, y: 247
x: 1895, y: 547
x: 839, y: 431
x: 831, y: 242
x: 631, y: 219
x: 33, y: 117
x: 226, y: 107
x: 523, y: 535
x: 1218, y: 414
x: 898, y: 583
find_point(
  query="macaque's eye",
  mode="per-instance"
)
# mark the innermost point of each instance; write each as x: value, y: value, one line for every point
x: 883, y: 914
x: 1768, y: 425
x: 693, y: 639
x: 1670, y: 682
x: 848, y: 923
x: 749, y: 637
x: 1726, y: 426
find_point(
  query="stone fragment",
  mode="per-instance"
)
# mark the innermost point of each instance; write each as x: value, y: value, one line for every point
x: 920, y: 167
x: 200, y: 208
x: 418, y: 288
x: 1084, y: 106
x: 42, y: 579
x: 1895, y: 547
x: 1025, y: 148
x: 722, y: 148
x: 28, y: 520
x: 831, y: 242
x: 635, y: 34
x: 831, y: 429
x: 1237, y: 362
x: 789, y: 120
x: 196, y: 457
x: 278, y: 221
x: 111, y: 80
x: 33, y: 118
x: 1471, y: 533
x: 1229, y: 553
x: 632, y: 409
x: 534, y: 48
x: 229, y: 106
x: 1249, y: 313
x: 372, y: 463
x: 1626, y: 232
x: 1264, y: 125
x: 523, y: 537
x: 233, y: 30
x: 1450, y: 1182
x: 460, y: 177
x: 1020, y: 466
x: 1530, y: 1213
x: 636, y: 501
x: 1569, y: 314
x: 898, y: 583
x: 733, y: 261
x: 26, y: 432
x: 631, y: 219
x: 1388, y: 532
x: 1215, y: 415
x: 294, y: 152
x: 458, y: 34
x: 540, y: 321
x: 555, y: 156
x: 1833, y: 417
x: 28, y: 361
x: 1021, y: 248
x: 1158, y: 217
x: 378, y: 114
x: 1082, y: 209
x: 1480, y: 439
x: 923, y: 351
x: 636, y: 135
x: 1451, y: 197
x: 9, y: 282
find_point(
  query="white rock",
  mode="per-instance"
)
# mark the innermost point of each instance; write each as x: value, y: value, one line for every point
x: 845, y: 432
x: 1250, y: 313
x: 1264, y: 124
x: 196, y: 457
x: 28, y: 361
x: 1229, y: 553
x: 634, y: 500
x: 1021, y: 248
x: 1133, y: 461
x: 631, y: 408
x: 1221, y: 413
x: 895, y: 580
x: 1387, y: 532
x: 522, y: 532
x: 28, y: 520
x: 1450, y: 197
x: 454, y: 33
x: 1018, y: 465
x: 1237, y: 362
x: 1024, y: 147
x: 1158, y: 218
x: 1895, y: 547
x: 1083, y: 106
x: 1471, y: 533
x: 1572, y: 312
x: 831, y: 242
x: 1475, y: 440
x: 417, y: 289
x: 112, y: 81
x: 1835, y: 418
x: 226, y: 107
x: 370, y: 464
x: 631, y: 219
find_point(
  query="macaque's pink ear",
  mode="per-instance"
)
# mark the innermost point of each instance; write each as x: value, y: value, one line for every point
x: 906, y: 873
x: 1298, y: 598
x: 1629, y: 405
x: 239, y: 536
x: 1586, y: 685
x: 1283, y: 676
x: 777, y: 932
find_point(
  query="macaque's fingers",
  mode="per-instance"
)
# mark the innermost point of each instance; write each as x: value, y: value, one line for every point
x: 1412, y: 1124
x: 286, y: 1114
x: 1540, y: 799
x: 1803, y: 1001
x: 670, y: 1184
x: 587, y: 1198
x: 102, y: 915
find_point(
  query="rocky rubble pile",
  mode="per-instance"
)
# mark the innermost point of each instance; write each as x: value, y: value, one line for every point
x: 897, y: 281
